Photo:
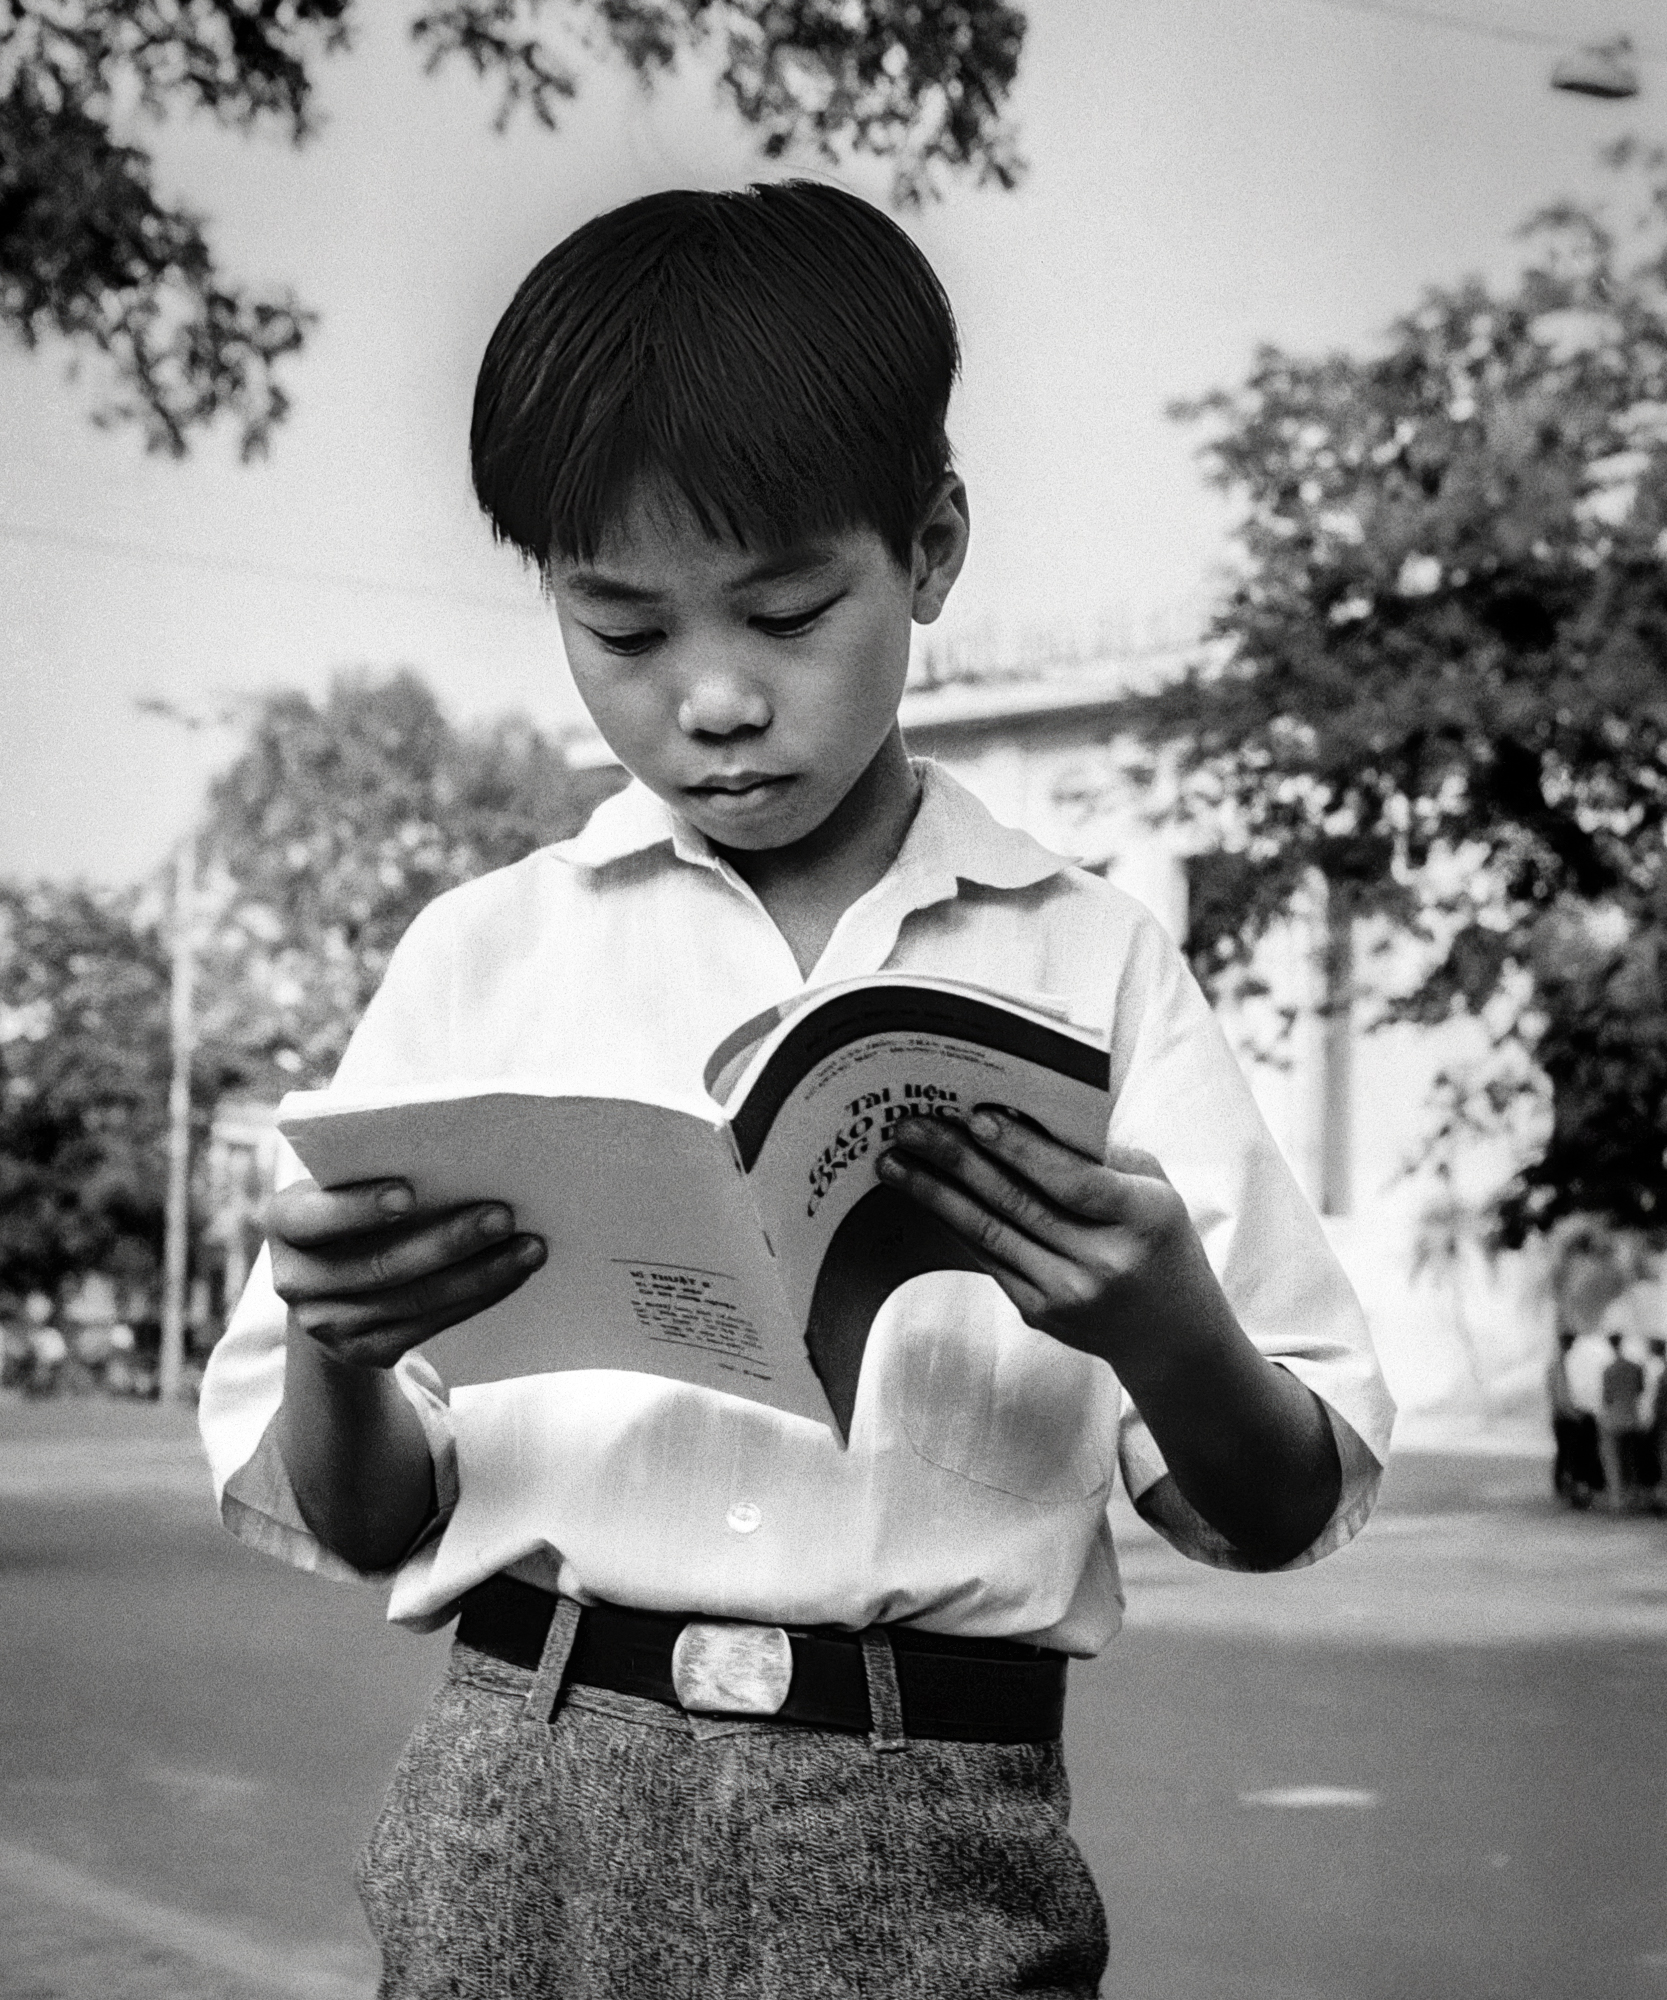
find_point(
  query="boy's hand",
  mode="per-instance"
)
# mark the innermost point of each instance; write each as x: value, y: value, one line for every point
x: 368, y: 1275
x: 1095, y: 1255
x: 1106, y: 1259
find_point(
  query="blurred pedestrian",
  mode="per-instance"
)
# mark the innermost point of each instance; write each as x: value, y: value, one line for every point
x: 1588, y: 1273
x: 1620, y: 1425
x: 48, y: 1349
x: 119, y: 1371
x: 1637, y: 1317
x: 14, y: 1346
x: 1576, y: 1471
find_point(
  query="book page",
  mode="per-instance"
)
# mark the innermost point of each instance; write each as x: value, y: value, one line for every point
x: 656, y: 1261
x: 817, y: 1160
x: 844, y: 1241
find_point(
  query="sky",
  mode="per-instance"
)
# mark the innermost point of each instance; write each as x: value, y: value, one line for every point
x: 1204, y: 175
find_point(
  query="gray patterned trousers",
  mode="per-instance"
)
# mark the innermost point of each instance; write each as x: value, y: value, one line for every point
x: 622, y: 1850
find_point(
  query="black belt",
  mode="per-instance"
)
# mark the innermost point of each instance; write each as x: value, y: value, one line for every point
x: 956, y: 1690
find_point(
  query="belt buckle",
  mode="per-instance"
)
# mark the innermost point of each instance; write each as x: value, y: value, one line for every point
x: 731, y: 1669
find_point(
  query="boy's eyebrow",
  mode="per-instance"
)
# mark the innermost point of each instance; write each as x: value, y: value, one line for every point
x: 609, y: 589
x: 803, y: 560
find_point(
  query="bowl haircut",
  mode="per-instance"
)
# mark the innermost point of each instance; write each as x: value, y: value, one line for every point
x: 781, y: 358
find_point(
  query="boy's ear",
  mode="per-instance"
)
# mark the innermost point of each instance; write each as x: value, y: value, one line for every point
x: 940, y: 547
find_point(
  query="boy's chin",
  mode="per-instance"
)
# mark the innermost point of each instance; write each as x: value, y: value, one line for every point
x: 774, y: 815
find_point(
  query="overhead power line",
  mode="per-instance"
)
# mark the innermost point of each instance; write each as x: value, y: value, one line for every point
x: 1487, y: 28
x: 362, y: 586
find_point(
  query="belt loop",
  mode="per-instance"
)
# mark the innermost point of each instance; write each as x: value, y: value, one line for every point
x: 885, y: 1698
x: 545, y: 1692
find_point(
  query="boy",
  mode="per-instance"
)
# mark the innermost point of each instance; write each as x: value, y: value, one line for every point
x: 716, y: 423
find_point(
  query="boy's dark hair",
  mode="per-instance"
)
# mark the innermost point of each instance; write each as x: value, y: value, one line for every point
x: 781, y: 357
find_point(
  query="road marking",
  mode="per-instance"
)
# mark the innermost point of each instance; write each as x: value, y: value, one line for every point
x: 208, y: 1790
x: 285, y: 1972
x: 1310, y: 1798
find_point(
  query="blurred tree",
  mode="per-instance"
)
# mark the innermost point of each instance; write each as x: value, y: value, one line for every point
x: 325, y: 836
x: 1438, y: 680
x: 83, y: 1081
x: 334, y: 826
x: 90, y: 252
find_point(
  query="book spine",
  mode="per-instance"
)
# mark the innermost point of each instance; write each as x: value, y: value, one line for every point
x: 741, y: 1169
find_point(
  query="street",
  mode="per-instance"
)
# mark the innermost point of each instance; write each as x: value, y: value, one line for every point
x: 1432, y: 1766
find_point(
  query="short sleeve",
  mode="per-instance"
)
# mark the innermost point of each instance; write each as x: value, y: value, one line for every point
x: 1182, y: 1097
x: 403, y: 1034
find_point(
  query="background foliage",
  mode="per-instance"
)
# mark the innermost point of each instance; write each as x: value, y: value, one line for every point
x: 91, y: 252
x: 83, y: 1082
x: 1437, y: 681
x: 335, y: 823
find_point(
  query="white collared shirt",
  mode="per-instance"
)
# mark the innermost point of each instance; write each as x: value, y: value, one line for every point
x: 971, y: 1496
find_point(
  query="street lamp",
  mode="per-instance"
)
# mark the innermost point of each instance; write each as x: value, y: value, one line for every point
x: 1604, y: 69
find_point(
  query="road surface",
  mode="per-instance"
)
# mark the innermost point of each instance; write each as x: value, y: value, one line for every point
x: 1434, y: 1765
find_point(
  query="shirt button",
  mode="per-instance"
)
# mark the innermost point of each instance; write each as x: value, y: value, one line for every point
x: 744, y: 1518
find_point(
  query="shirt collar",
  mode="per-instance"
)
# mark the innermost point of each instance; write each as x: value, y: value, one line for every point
x: 953, y: 838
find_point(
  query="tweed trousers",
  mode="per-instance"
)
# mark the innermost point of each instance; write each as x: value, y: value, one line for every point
x: 617, y: 1849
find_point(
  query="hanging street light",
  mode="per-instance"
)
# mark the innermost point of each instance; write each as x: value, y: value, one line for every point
x: 1602, y: 69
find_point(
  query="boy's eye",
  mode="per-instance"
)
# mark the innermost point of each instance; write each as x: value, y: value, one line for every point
x: 629, y: 644
x: 787, y: 624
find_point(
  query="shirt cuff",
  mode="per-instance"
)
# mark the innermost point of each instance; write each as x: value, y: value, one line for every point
x: 1160, y: 1502
x: 258, y: 1503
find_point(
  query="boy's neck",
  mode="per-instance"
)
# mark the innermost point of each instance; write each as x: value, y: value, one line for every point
x: 808, y: 887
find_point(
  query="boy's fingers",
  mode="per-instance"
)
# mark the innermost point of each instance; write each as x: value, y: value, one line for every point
x: 392, y: 1257
x: 1123, y: 1187
x: 306, y: 1214
x: 1134, y: 1160
x: 1032, y: 1305
x: 1044, y: 1185
x: 954, y: 1157
x: 1072, y: 1180
x: 437, y: 1301
x: 998, y: 1242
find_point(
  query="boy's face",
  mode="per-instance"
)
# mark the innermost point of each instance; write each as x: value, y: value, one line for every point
x: 749, y: 691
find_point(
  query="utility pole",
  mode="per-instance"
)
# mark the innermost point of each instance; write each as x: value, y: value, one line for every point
x: 182, y: 1038
x: 1336, y: 1107
x: 176, y: 1251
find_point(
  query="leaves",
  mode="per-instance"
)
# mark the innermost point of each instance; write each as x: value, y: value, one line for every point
x: 334, y: 827
x: 920, y: 86
x: 88, y: 252
x: 83, y: 1080
x: 92, y: 254
x: 1437, y: 677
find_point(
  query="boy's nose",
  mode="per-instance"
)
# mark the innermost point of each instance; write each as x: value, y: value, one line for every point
x: 722, y: 704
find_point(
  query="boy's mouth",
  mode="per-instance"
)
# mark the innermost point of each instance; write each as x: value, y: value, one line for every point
x: 740, y: 787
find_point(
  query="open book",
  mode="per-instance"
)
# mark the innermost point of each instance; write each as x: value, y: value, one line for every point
x: 743, y: 1240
